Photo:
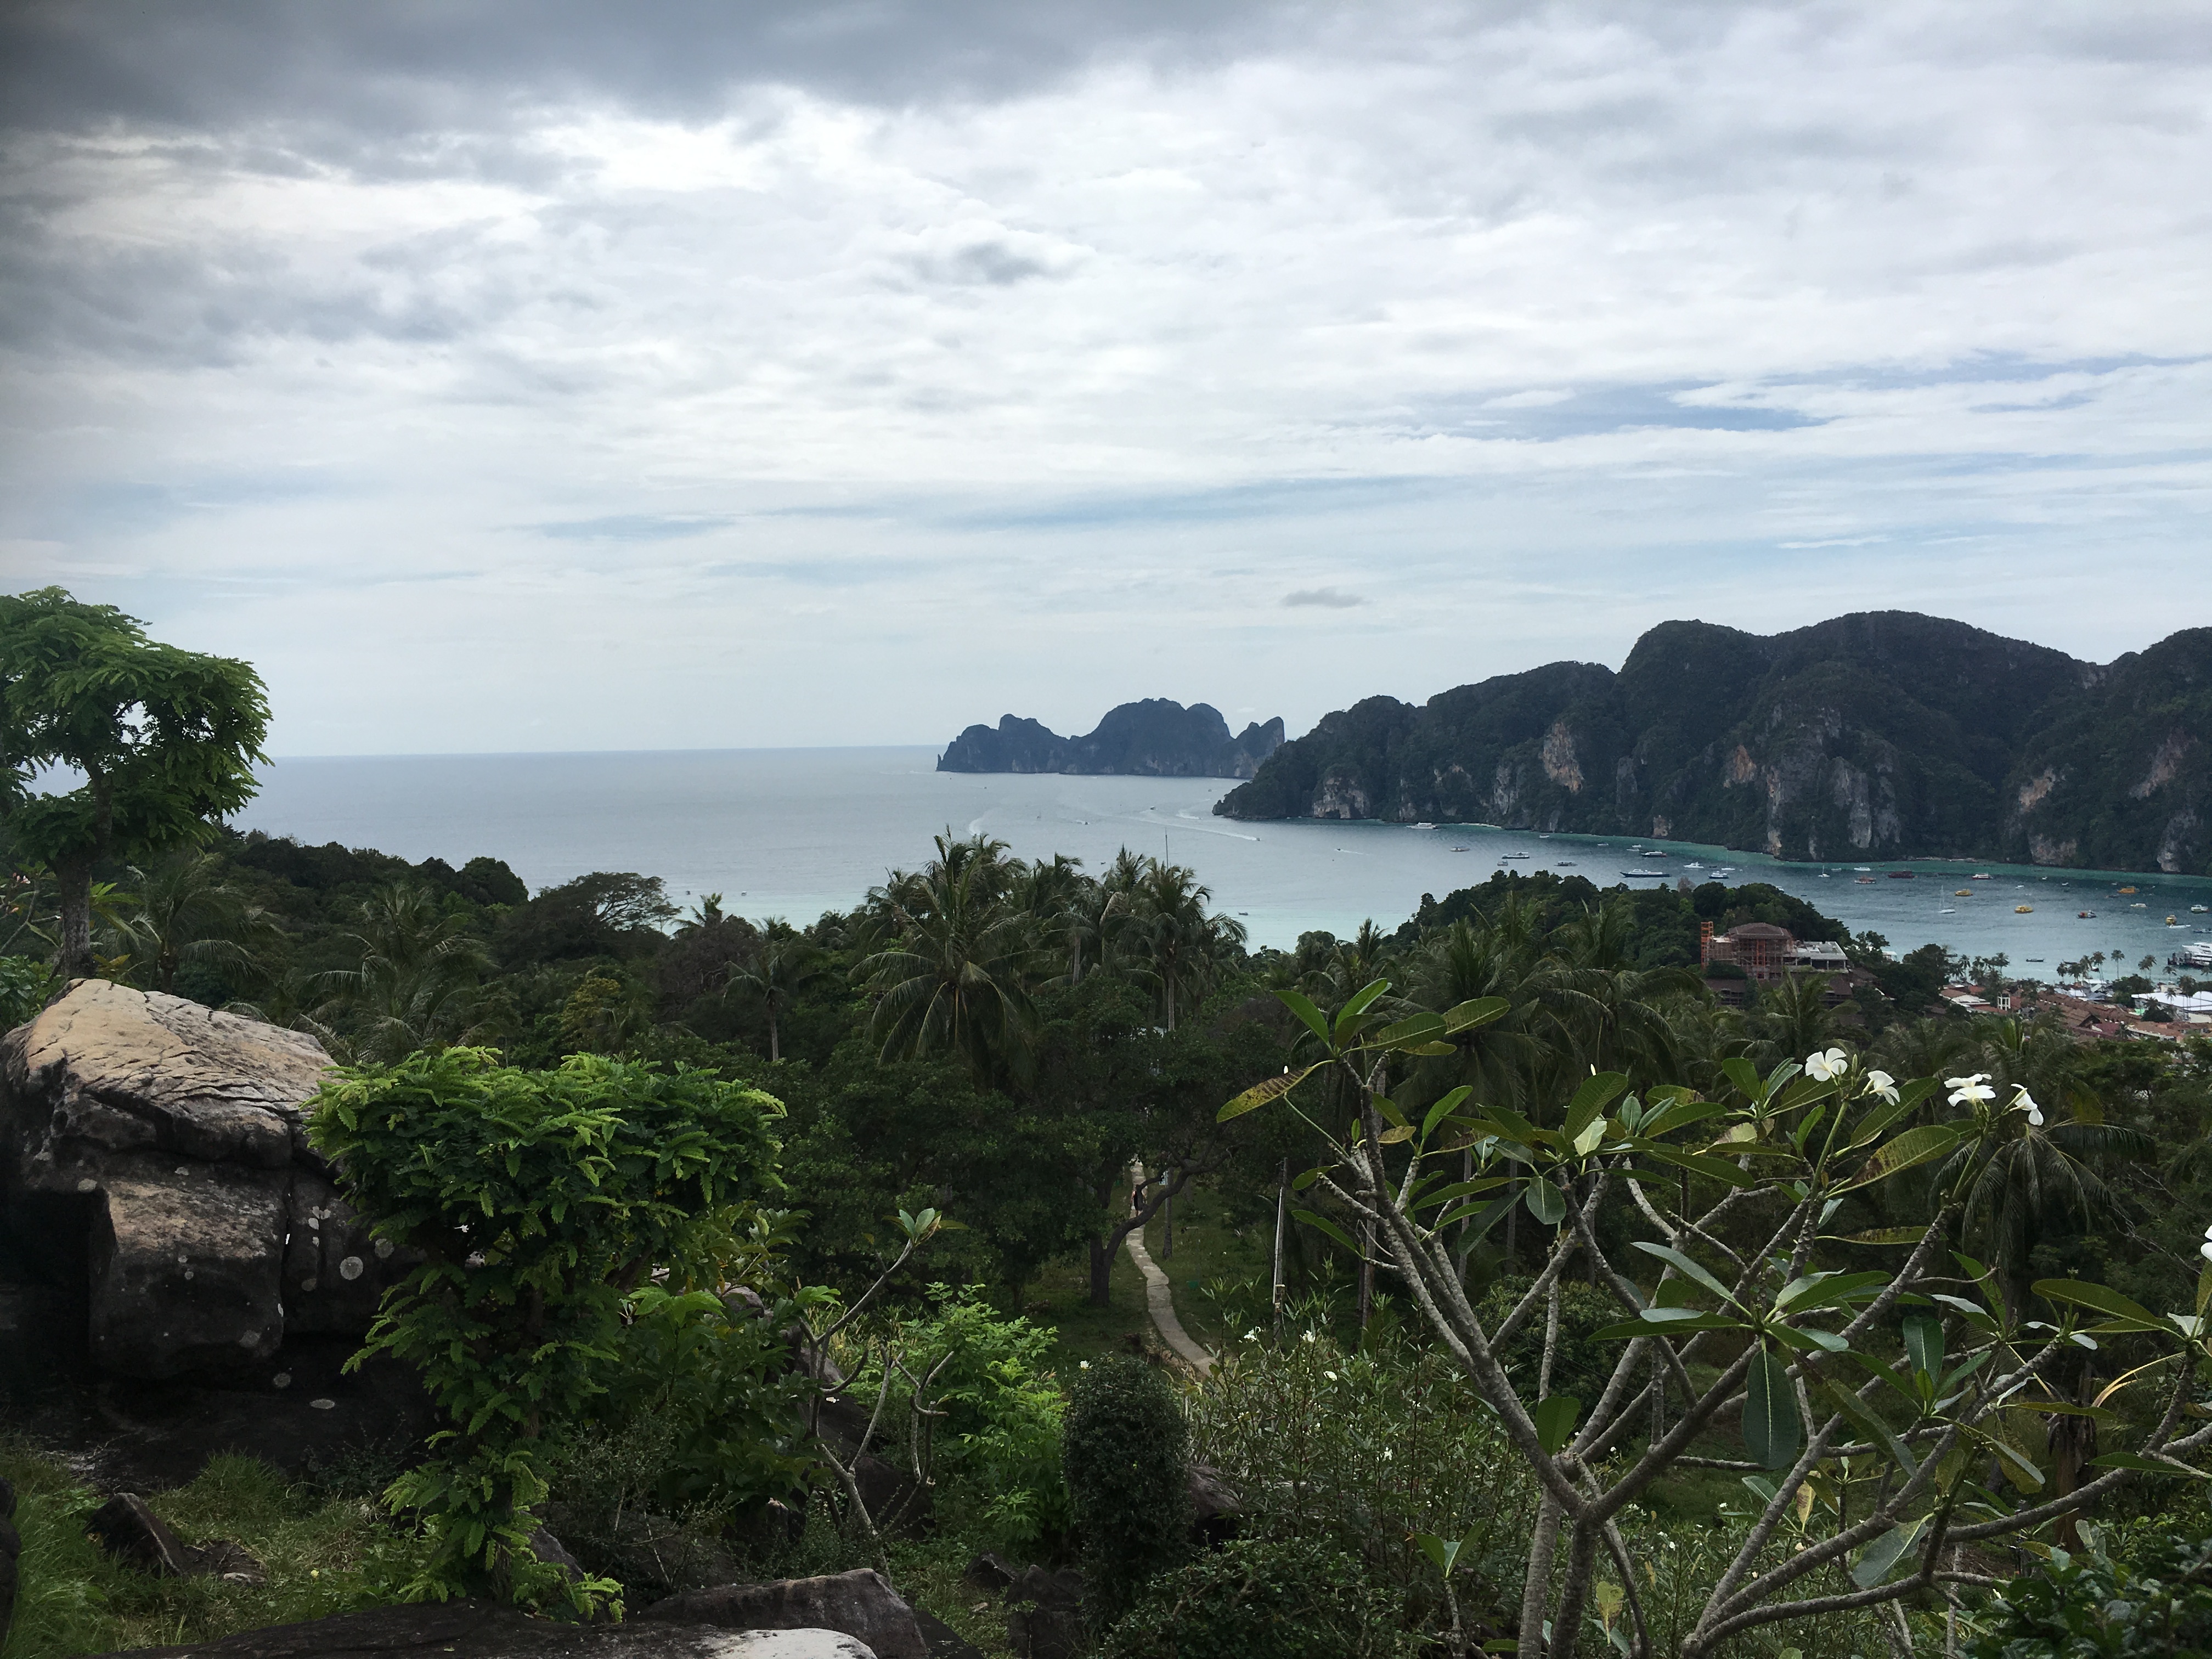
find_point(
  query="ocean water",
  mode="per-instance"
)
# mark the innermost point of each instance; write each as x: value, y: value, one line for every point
x: 793, y: 832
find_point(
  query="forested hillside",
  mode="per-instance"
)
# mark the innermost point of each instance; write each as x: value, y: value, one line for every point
x: 1880, y: 734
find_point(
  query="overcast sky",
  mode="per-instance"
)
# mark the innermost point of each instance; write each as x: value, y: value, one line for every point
x: 501, y: 376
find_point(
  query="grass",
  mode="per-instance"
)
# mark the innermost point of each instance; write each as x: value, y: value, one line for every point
x: 320, y: 1554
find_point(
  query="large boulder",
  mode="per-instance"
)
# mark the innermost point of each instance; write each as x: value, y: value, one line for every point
x: 475, y: 1630
x: 862, y: 1603
x: 155, y: 1152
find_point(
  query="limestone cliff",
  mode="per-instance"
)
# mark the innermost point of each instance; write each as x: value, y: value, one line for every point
x: 1153, y: 738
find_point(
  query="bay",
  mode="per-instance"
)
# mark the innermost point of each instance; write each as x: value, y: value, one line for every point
x: 793, y: 832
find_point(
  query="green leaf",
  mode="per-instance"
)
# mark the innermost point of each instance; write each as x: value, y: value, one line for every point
x: 1745, y: 1075
x: 1430, y: 1198
x: 1704, y: 1164
x: 1554, y: 1418
x: 1597, y: 1092
x: 2023, y: 1474
x: 1681, y: 1114
x: 1868, y: 1422
x: 1310, y: 1016
x: 1665, y: 1322
x: 1546, y: 1202
x: 1266, y: 1089
x: 1347, y: 1016
x: 1443, y: 1109
x: 1914, y: 1146
x: 1878, y: 1558
x: 2131, y: 1315
x: 1683, y: 1264
x: 2144, y: 1465
x: 1923, y: 1344
x: 1480, y: 1011
x: 1772, y: 1431
x: 1323, y: 1224
x: 1886, y: 1236
x: 1418, y: 1027
x: 1808, y: 1339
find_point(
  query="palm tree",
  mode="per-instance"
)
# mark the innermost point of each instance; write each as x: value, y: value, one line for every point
x: 416, y: 984
x: 1612, y: 1014
x: 955, y: 963
x: 778, y: 970
x: 1058, y: 898
x: 184, y: 911
x: 1790, y: 1019
x: 1183, y: 947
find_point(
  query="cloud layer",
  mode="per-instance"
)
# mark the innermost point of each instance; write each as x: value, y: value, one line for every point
x: 541, y: 378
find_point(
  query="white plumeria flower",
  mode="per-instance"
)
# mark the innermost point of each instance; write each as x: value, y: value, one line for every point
x: 2205, y: 1248
x: 2025, y: 1102
x: 1829, y: 1066
x: 1309, y: 1336
x: 1879, y: 1082
x: 1331, y: 1376
x: 1971, y: 1090
x: 1252, y: 1335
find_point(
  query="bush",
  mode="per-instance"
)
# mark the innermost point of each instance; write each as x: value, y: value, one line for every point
x: 539, y: 1203
x: 1355, y: 1453
x: 997, y: 1446
x: 1261, y: 1599
x: 1581, y: 1366
x: 1127, y: 1480
x: 2159, y: 1600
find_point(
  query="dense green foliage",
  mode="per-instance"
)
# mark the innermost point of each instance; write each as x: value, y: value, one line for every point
x: 537, y: 1203
x: 1878, y: 734
x: 1262, y: 1599
x: 2088, y: 1606
x: 164, y: 741
x: 1123, y: 1450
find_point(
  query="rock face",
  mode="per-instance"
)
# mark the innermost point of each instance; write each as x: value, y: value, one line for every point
x: 477, y: 1630
x: 1154, y: 738
x: 1879, y: 734
x: 154, y: 1151
x: 860, y: 1603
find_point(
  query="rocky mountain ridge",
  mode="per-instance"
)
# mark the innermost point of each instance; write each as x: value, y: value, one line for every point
x: 1155, y: 737
x: 1879, y: 734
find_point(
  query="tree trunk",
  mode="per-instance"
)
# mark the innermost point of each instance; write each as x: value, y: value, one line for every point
x: 1101, y: 1271
x: 73, y: 959
x: 775, y: 1048
x: 1366, y: 1236
x: 1167, y: 1215
x: 1282, y: 1208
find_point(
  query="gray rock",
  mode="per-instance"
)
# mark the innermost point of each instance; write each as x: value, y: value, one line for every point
x: 1047, y: 1618
x: 860, y: 1603
x: 130, y: 1532
x: 159, y: 1149
x: 1214, y: 1506
x: 478, y: 1630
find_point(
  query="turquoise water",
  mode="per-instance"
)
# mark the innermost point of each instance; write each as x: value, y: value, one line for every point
x: 793, y: 832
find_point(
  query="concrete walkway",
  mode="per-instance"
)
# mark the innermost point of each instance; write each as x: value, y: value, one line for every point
x: 1159, y: 1302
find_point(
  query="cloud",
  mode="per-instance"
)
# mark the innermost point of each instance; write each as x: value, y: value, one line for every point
x: 1059, y: 326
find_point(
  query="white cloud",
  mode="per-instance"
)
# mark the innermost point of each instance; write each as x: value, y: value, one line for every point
x: 787, y: 412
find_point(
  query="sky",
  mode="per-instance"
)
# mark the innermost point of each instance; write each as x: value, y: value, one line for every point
x: 568, y: 376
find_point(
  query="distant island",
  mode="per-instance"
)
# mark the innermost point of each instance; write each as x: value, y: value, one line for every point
x: 1153, y: 738
x: 1883, y: 734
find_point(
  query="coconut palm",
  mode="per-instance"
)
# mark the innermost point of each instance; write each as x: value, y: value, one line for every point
x: 957, y: 962
x: 415, y: 986
x: 1183, y: 948
x: 1059, y: 898
x: 1789, y: 1019
x: 184, y: 910
x: 1610, y: 1013
x: 773, y: 979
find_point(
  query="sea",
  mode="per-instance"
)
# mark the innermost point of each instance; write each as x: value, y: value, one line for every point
x: 794, y: 832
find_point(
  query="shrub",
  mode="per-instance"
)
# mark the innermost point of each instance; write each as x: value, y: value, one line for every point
x: 1261, y: 1599
x: 2158, y: 1600
x: 997, y: 1447
x: 1581, y: 1366
x: 1357, y: 1453
x: 539, y: 1203
x: 1126, y: 1481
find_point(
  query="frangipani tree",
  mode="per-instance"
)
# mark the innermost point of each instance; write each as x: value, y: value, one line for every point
x: 1873, y: 1470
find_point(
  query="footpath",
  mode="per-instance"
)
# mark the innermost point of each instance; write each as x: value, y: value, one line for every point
x: 1159, y: 1303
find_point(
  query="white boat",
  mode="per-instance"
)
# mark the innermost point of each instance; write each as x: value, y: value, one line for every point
x: 1425, y: 826
x: 1513, y: 855
x: 1693, y: 865
x: 1655, y: 875
x: 1566, y: 864
x: 1946, y: 911
x: 2196, y: 909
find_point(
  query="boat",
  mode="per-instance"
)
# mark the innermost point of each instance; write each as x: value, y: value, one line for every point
x: 2084, y: 914
x: 1862, y: 868
x: 1462, y: 850
x: 1979, y: 875
x: 2173, y: 921
x: 1694, y: 865
x: 1823, y: 874
x: 2196, y: 909
x: 1425, y: 826
x: 2035, y: 958
x: 1903, y: 875
x: 2127, y: 890
x: 2138, y: 904
x: 1946, y: 911
x: 2023, y: 909
x: 1512, y: 855
x: 1964, y: 892
x: 1655, y: 875
x: 1866, y: 881
x: 1565, y: 864
x: 1658, y: 855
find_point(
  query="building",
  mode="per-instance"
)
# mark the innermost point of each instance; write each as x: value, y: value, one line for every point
x: 1760, y: 948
